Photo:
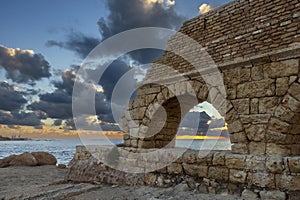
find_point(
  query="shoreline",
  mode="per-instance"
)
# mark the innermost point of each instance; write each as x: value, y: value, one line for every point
x: 48, y: 182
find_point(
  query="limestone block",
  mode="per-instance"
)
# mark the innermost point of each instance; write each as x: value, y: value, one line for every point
x: 195, y: 170
x: 272, y: 195
x: 282, y: 68
x: 237, y: 176
x: 252, y: 89
x: 294, y: 90
x: 239, y: 148
x: 255, y: 118
x: 288, y: 182
x: 242, y: 106
x: 257, y: 148
x: 254, y: 106
x: 218, y: 173
x: 278, y: 125
x: 274, y: 164
x: 248, y: 194
x: 256, y: 163
x: 175, y: 168
x: 238, y: 137
x: 233, y: 161
x: 235, y: 126
x: 256, y: 132
x: 284, y: 113
x: 218, y: 158
x: 282, y: 85
x: 268, y: 104
x: 294, y: 164
x: 257, y: 73
x: 261, y: 180
x: 276, y: 149
x: 291, y: 103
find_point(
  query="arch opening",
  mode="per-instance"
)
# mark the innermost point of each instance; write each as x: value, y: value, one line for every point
x: 206, y: 127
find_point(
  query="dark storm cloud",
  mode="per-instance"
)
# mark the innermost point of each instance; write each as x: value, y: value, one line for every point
x: 82, y: 45
x: 23, y: 66
x: 130, y: 14
x: 21, y: 118
x: 85, y: 124
x: 112, y: 75
x: 53, y: 107
x: 125, y: 15
x: 58, y: 104
x: 10, y: 98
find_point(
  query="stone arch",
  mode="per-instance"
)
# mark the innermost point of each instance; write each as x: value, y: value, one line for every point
x: 147, y: 129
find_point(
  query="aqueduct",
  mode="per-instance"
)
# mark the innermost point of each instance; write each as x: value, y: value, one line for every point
x: 255, y: 45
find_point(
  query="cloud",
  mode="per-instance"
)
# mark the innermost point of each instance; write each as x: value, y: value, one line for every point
x: 204, y: 8
x: 126, y: 15
x: 21, y: 118
x: 23, y: 66
x: 137, y: 15
x: 77, y: 42
x: 10, y: 98
x: 58, y: 104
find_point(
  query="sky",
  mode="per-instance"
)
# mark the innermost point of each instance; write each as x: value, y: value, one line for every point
x: 43, y: 43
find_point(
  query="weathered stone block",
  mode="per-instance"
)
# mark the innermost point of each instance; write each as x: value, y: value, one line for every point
x: 274, y: 164
x: 294, y: 90
x: 288, y: 182
x: 291, y: 103
x: 276, y: 149
x: 218, y: 159
x: 272, y: 195
x: 256, y: 163
x: 253, y: 89
x: 233, y: 161
x: 235, y: 126
x: 238, y: 137
x: 278, y: 125
x: 294, y: 164
x: 239, y: 148
x: 282, y: 69
x: 195, y: 170
x: 257, y: 148
x: 256, y: 132
x: 248, y: 194
x: 175, y: 168
x: 268, y: 105
x: 282, y: 85
x: 218, y: 173
x: 237, y: 176
x: 261, y: 180
x: 242, y: 106
x: 254, y: 106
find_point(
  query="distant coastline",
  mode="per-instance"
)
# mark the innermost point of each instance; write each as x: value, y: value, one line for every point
x: 12, y: 139
x: 4, y: 138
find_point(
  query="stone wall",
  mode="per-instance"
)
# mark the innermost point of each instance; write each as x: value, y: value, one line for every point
x: 260, y: 103
x: 267, y: 177
x: 243, y: 28
x: 254, y: 45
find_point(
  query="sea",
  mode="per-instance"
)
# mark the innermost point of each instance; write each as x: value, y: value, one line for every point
x: 64, y: 149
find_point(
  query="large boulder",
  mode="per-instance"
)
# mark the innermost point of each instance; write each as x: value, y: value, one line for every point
x: 25, y: 159
x: 44, y: 158
x: 5, y: 161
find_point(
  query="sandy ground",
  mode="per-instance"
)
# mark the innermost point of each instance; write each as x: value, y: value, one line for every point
x: 46, y: 182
